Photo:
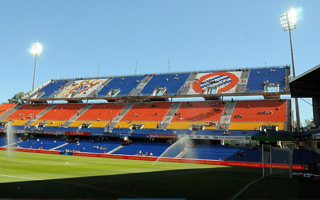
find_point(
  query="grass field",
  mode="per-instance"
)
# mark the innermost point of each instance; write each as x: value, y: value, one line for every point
x: 32, y: 175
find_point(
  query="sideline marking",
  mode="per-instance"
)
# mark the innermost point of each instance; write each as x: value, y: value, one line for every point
x: 21, y: 177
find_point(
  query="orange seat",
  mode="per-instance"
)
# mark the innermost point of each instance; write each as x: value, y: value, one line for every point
x: 6, y: 107
x: 28, y: 111
x: 249, y: 111
x: 148, y: 112
x: 199, y: 111
x: 103, y: 112
x: 62, y: 112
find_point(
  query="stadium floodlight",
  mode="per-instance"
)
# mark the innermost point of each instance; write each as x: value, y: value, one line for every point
x: 288, y: 21
x: 36, y: 50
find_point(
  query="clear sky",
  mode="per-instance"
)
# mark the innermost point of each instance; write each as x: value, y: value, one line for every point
x: 80, y: 35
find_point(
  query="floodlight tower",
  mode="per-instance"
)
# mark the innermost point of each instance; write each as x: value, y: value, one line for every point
x: 36, y: 50
x: 288, y: 22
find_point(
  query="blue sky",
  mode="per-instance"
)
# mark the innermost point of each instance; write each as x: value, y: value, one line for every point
x: 78, y: 36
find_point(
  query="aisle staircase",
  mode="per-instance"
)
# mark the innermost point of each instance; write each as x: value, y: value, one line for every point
x: 188, y: 84
x: 76, y: 115
x: 9, y: 112
x: 139, y: 88
x: 41, y: 114
x: 226, y: 118
x: 170, y: 114
x: 118, y: 118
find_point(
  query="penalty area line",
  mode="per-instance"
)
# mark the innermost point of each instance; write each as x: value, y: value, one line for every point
x: 246, y: 187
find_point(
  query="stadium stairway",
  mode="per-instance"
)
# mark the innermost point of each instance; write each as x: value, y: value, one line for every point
x: 118, y: 118
x: 77, y: 115
x: 115, y: 149
x: 57, y: 92
x: 167, y: 119
x: 187, y: 86
x: 12, y: 144
x: 183, y: 152
x: 11, y: 111
x: 41, y: 114
x: 6, y: 107
x: 94, y: 92
x: 139, y: 88
x: 59, y: 146
x: 226, y: 116
x: 242, y: 86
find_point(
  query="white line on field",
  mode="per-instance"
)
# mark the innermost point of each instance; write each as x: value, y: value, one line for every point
x: 21, y: 177
x: 246, y: 187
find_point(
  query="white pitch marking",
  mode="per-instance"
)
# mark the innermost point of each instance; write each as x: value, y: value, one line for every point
x: 21, y: 177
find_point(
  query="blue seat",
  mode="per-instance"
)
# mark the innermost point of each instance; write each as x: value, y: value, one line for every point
x: 258, y: 76
x: 126, y: 84
x: 169, y: 81
x: 51, y: 88
x: 133, y: 149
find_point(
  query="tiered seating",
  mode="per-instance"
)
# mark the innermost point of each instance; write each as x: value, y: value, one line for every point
x: 249, y: 115
x: 152, y: 131
x: 3, y: 141
x: 254, y: 125
x: 247, y: 155
x: 218, y: 152
x: 18, y: 122
x: 27, y: 112
x: 197, y: 113
x: 103, y: 112
x: 174, y: 151
x: 6, y: 107
x: 99, y: 115
x: 125, y: 84
x: 62, y: 112
x: 212, y: 152
x: 307, y: 157
x: 91, y: 146
x: 172, y: 83
x: 253, y: 111
x: 49, y: 89
x: 80, y: 88
x: 133, y: 149
x: 258, y: 76
x: 150, y: 114
x: 130, y: 124
x: 230, y: 133
x: 41, y: 143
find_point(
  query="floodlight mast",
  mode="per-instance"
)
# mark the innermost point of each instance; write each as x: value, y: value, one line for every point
x: 288, y: 22
x: 36, y: 50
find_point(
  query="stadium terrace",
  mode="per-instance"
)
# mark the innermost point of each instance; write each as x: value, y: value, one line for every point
x: 140, y: 118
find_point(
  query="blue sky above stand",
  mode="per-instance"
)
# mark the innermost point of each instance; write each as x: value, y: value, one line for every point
x: 82, y: 37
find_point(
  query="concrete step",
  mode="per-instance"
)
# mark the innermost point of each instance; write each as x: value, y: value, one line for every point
x: 118, y: 118
x: 170, y: 114
x: 59, y: 146
x: 115, y: 149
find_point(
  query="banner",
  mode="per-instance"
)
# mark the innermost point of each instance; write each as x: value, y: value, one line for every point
x: 214, y: 137
x: 77, y: 133
x: 162, y: 136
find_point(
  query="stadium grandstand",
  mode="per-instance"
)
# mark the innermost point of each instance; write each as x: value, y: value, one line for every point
x: 143, y: 115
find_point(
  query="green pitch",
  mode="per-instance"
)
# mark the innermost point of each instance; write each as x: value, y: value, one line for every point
x: 30, y: 175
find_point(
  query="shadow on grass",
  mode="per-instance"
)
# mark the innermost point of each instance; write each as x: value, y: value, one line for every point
x: 210, y: 183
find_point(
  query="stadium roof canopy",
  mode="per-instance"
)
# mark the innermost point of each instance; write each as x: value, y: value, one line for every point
x: 306, y: 84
